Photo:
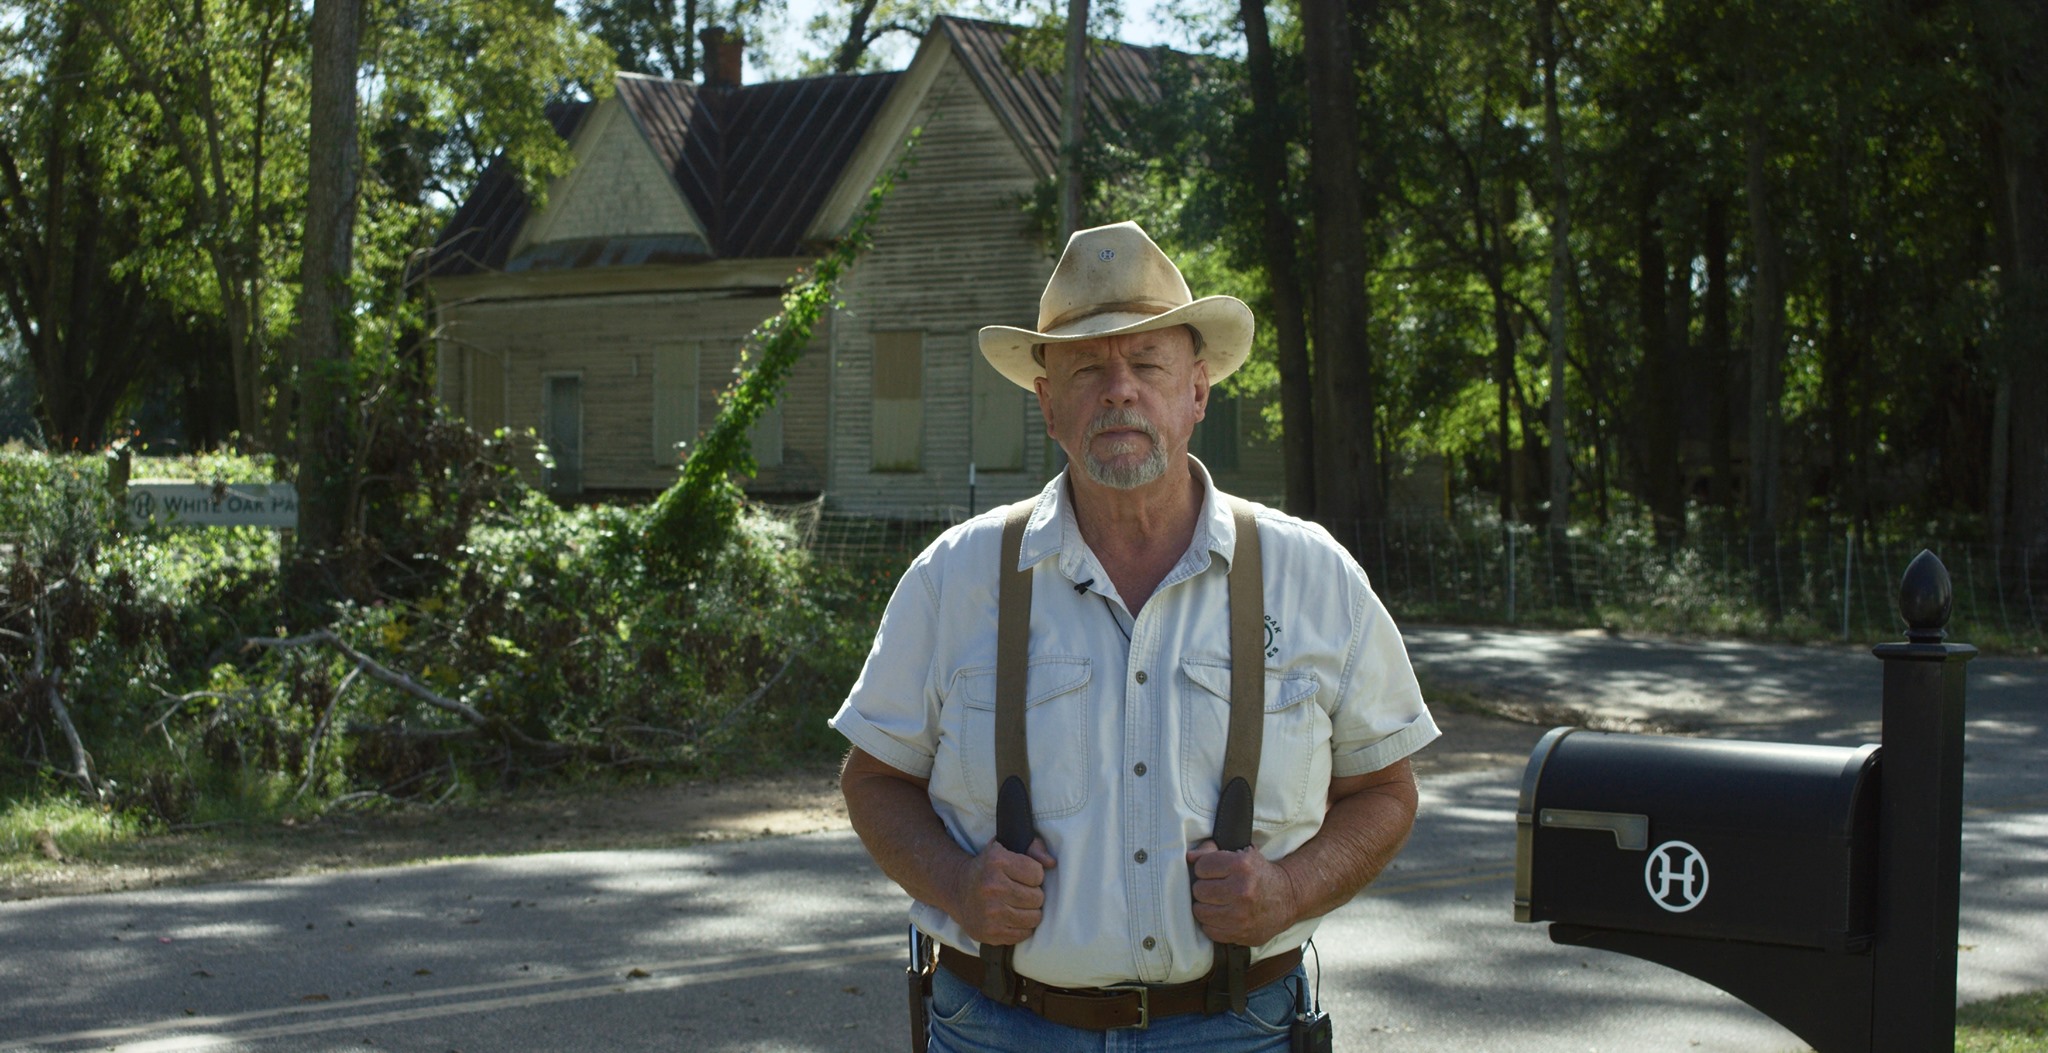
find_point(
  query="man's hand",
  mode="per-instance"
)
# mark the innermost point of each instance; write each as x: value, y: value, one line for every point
x: 1240, y: 897
x: 1246, y: 899
x: 999, y: 896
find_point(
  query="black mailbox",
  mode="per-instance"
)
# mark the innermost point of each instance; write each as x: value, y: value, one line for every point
x: 1755, y: 841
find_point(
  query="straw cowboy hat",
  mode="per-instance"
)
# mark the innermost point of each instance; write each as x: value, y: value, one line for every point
x: 1113, y: 280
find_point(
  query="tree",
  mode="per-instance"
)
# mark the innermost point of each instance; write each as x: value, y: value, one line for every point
x: 647, y: 36
x: 661, y: 37
x: 1560, y: 269
x: 326, y: 306
x: 217, y: 96
x: 1266, y: 147
x: 68, y: 235
x: 1073, y: 116
x: 1347, y: 463
x: 846, y: 32
x: 2013, y: 47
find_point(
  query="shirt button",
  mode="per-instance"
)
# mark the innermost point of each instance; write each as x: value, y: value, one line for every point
x: 1140, y: 769
x: 1150, y: 943
x: 1141, y: 856
x: 1141, y: 676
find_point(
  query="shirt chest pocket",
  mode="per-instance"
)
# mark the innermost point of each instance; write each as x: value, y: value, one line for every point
x: 1294, y: 744
x: 1058, y: 734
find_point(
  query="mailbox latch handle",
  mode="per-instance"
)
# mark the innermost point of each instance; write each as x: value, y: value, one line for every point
x: 1631, y: 832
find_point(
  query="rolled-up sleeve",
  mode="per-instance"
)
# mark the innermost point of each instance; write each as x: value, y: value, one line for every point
x: 892, y: 713
x: 1380, y: 716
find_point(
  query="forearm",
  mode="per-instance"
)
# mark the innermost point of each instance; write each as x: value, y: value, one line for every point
x: 1367, y: 823
x: 892, y: 813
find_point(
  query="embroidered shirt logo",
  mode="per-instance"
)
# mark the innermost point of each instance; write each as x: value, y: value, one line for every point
x: 1272, y: 630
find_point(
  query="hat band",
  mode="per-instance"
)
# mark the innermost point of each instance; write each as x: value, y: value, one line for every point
x: 1093, y: 309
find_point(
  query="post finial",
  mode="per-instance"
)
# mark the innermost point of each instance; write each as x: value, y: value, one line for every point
x: 1926, y: 596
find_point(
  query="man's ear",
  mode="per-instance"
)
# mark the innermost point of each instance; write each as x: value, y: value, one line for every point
x: 1043, y: 390
x: 1201, y: 389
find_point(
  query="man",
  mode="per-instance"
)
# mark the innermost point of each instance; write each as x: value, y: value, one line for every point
x: 1127, y: 703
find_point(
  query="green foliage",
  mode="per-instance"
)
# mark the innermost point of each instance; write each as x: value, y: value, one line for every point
x: 693, y: 520
x: 574, y: 656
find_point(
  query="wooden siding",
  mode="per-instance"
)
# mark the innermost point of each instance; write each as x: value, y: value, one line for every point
x: 618, y: 187
x: 613, y: 344
x: 950, y: 255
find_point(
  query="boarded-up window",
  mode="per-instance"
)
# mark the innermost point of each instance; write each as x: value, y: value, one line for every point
x: 766, y: 437
x: 675, y: 401
x: 1215, y: 440
x: 998, y: 419
x: 898, y: 421
x: 485, y: 401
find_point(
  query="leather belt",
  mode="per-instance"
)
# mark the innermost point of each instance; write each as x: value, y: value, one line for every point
x: 1125, y: 1005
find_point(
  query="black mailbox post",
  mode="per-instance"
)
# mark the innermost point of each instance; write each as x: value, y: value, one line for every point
x: 1819, y: 884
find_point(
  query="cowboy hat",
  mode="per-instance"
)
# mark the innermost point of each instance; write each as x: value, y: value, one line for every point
x: 1113, y: 280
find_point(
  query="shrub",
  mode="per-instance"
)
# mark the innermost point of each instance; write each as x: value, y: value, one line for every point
x: 533, y: 642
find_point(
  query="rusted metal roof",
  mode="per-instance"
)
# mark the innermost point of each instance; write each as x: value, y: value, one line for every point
x: 1032, y: 102
x: 756, y: 162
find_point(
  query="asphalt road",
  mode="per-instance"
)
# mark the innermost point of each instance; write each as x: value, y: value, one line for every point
x: 794, y: 944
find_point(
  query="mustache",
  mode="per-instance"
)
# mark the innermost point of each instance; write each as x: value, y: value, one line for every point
x: 1121, y: 418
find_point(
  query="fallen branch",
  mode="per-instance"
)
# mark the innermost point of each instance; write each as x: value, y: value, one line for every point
x: 178, y: 702
x: 385, y: 675
x: 80, y: 760
x: 758, y: 693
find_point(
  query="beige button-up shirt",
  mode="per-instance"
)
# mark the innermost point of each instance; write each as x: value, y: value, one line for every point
x: 1126, y: 736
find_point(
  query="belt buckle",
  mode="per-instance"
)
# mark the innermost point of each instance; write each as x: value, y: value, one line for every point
x: 1144, y: 993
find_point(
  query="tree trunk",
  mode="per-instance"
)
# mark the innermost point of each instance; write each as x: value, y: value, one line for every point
x: 1504, y: 350
x: 1767, y: 340
x: 1560, y: 269
x: 854, y: 45
x: 1269, y: 163
x: 689, y: 69
x: 665, y: 38
x: 1656, y: 445
x: 325, y: 305
x: 1347, y: 475
x: 1074, y: 115
x: 2017, y: 144
x: 1714, y: 351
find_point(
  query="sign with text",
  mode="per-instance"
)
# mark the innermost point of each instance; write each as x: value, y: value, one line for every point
x: 274, y: 505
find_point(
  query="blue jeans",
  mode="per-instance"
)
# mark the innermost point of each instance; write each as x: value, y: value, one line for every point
x: 963, y: 1020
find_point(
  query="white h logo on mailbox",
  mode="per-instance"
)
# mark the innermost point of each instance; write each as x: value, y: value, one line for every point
x: 1676, y: 876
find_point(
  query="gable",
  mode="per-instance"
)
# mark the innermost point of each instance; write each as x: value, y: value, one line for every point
x: 1028, y: 103
x: 669, y: 172
x: 619, y: 188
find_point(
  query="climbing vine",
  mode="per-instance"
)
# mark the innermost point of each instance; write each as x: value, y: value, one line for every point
x: 693, y: 519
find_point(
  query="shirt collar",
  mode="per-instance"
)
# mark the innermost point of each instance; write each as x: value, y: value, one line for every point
x: 1053, y: 530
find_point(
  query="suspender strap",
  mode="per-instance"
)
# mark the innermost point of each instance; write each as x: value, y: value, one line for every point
x: 1013, y: 758
x: 1227, y: 988
x: 1247, y: 669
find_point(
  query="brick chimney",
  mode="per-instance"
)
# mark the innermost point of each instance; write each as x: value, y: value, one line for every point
x: 723, y: 54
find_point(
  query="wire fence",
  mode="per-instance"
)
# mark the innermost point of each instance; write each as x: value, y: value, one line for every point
x: 1817, y: 582
x: 865, y: 541
x: 1814, y: 582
